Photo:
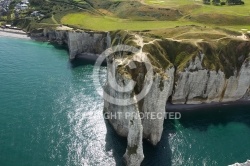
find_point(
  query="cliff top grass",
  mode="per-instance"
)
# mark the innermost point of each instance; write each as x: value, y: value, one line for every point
x: 108, y: 23
x: 193, y: 32
x: 159, y: 14
x: 226, y: 53
x: 139, y: 15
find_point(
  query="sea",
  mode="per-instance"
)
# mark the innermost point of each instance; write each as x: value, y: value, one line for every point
x: 51, y: 115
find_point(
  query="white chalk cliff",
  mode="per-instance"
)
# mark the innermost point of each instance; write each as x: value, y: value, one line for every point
x: 206, y: 86
x: 183, y: 72
x: 78, y: 42
x: 195, y: 81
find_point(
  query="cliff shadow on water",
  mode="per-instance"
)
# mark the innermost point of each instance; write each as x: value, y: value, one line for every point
x: 80, y: 59
x: 59, y: 46
x: 82, y: 62
x: 200, y: 118
x: 75, y: 62
x: 116, y: 144
x: 161, y: 153
x: 217, y: 134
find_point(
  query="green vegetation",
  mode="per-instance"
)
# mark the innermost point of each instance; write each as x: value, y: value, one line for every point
x: 159, y: 16
x: 132, y: 15
x: 220, y: 49
x: 95, y: 22
x: 226, y: 54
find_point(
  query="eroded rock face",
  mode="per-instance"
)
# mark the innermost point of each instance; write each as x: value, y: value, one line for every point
x: 87, y: 42
x: 154, y: 104
x: 138, y: 120
x: 196, y: 78
x: 125, y: 119
x: 206, y: 86
x: 134, y: 152
x: 78, y: 42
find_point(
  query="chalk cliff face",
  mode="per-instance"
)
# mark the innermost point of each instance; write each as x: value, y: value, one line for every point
x: 206, y: 86
x: 184, y: 72
x: 197, y: 84
x: 87, y: 42
x: 130, y: 122
x: 205, y: 71
x: 189, y: 73
x: 78, y: 42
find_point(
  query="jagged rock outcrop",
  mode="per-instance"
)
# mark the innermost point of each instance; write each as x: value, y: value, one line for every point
x: 134, y: 152
x: 125, y: 118
x: 135, y: 120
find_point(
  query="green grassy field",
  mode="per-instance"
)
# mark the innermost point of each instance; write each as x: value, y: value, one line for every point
x: 148, y: 15
x: 193, y: 13
x: 106, y: 23
x: 242, y: 10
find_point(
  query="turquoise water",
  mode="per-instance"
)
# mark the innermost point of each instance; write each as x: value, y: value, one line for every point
x: 216, y: 136
x: 50, y: 114
x: 46, y: 108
